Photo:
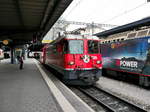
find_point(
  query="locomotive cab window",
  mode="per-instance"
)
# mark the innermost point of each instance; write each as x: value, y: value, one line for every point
x: 65, y: 47
x: 93, y: 47
x: 76, y: 46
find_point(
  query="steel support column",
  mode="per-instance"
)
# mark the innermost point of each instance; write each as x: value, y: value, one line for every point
x: 12, y: 55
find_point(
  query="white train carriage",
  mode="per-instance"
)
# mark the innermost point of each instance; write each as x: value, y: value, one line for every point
x: 1, y: 54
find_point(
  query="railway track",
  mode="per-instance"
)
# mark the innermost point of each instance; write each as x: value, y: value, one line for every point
x: 106, y: 100
x: 109, y: 101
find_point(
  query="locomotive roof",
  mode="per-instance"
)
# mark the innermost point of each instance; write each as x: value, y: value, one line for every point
x: 126, y: 27
x: 71, y: 36
x: 81, y: 37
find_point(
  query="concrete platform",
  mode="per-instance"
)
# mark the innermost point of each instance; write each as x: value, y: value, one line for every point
x: 24, y: 90
x: 31, y: 90
x: 73, y: 99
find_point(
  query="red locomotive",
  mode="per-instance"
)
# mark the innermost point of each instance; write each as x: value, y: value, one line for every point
x: 76, y: 57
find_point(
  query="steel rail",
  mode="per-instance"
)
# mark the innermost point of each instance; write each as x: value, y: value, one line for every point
x: 109, y: 101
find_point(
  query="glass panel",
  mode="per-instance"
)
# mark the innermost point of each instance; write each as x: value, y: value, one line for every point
x: 149, y: 32
x: 76, y: 46
x: 65, y: 47
x: 142, y: 33
x: 131, y: 35
x: 93, y: 47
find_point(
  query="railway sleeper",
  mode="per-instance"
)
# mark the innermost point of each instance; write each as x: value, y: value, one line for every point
x: 113, y: 103
x: 123, y: 108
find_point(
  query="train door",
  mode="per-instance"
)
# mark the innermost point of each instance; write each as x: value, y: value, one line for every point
x: 60, y: 57
x: 65, y: 52
x: 43, y: 56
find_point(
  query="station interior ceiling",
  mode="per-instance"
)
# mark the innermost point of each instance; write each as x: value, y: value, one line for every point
x: 23, y: 20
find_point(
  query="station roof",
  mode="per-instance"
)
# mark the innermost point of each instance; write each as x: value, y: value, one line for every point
x: 21, y: 20
x: 126, y: 27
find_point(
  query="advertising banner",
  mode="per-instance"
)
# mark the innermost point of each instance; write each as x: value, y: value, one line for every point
x: 129, y: 55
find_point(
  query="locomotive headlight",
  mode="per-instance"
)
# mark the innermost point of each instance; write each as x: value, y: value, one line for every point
x: 98, y: 62
x: 71, y: 63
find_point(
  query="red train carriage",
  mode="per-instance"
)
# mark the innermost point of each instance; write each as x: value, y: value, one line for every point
x: 77, y: 58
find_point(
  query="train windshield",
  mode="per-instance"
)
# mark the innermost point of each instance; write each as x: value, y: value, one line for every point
x: 93, y: 47
x: 76, y: 46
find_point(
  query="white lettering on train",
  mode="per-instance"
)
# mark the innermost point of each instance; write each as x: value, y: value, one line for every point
x: 132, y: 64
x: 94, y: 57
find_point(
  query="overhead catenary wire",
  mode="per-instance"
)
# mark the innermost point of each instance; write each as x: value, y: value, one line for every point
x: 72, y: 9
x: 125, y: 12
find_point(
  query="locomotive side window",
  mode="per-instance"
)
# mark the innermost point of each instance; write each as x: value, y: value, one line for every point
x: 100, y: 48
x: 65, y: 47
x: 76, y: 46
x: 93, y: 47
